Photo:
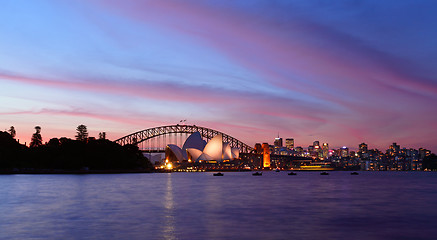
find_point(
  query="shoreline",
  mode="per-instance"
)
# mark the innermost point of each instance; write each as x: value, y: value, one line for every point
x: 60, y: 171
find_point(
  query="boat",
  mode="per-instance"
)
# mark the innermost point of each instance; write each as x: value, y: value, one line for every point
x: 218, y: 174
x: 324, y: 173
x: 277, y: 170
x: 292, y: 173
x: 314, y: 167
x: 354, y: 173
x: 257, y: 174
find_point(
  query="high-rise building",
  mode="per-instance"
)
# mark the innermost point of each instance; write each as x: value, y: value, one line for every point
x: 325, y: 150
x: 394, y: 148
x: 289, y: 143
x: 344, y: 151
x: 278, y: 142
x: 266, y: 155
x: 363, y: 148
x: 363, y: 151
x: 258, y: 148
x: 316, y: 143
x: 312, y: 151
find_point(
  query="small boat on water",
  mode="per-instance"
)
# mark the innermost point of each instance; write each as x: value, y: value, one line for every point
x: 218, y: 174
x: 257, y: 174
x: 277, y: 170
x: 354, y: 173
x: 292, y: 173
x: 324, y: 173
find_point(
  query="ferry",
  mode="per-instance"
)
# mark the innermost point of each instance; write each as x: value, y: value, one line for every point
x: 315, y: 167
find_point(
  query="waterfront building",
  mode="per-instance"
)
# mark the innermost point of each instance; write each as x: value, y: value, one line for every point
x: 195, y: 149
x: 299, y: 151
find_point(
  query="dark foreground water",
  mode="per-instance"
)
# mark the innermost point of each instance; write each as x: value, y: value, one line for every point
x: 372, y: 205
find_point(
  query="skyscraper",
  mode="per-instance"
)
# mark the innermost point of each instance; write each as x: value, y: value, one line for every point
x: 363, y: 148
x: 395, y: 148
x: 289, y: 143
x: 344, y: 152
x: 325, y: 150
x: 278, y: 142
x: 258, y: 148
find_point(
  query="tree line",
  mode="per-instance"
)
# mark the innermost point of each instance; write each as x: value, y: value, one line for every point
x: 82, y: 153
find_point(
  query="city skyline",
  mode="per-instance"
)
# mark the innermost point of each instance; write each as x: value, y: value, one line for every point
x: 343, y: 73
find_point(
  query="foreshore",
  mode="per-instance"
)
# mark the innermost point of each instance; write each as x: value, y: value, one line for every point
x: 61, y: 171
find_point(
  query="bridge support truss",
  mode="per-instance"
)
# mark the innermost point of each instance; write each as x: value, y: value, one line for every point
x: 140, y: 136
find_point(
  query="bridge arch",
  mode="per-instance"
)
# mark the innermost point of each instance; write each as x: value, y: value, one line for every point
x: 146, y: 134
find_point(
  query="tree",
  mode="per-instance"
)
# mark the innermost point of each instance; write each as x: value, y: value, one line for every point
x: 12, y: 131
x: 36, y: 138
x: 54, y: 142
x: 82, y: 133
x: 102, y: 135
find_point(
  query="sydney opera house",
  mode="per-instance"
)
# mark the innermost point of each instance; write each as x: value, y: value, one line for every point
x: 195, y: 149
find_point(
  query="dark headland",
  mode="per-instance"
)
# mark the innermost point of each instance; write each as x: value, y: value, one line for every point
x: 66, y: 155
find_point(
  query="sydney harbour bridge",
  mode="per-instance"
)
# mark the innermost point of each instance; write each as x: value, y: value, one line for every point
x: 157, y: 138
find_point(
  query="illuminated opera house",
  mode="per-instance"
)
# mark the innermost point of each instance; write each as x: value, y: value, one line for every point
x: 195, y: 149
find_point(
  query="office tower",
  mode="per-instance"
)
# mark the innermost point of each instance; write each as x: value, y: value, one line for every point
x: 258, y: 148
x: 363, y: 148
x: 289, y: 143
x: 344, y: 151
x: 394, y: 148
x: 278, y: 142
x: 325, y: 150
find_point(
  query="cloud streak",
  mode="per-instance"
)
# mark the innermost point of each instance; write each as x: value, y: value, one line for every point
x: 272, y: 67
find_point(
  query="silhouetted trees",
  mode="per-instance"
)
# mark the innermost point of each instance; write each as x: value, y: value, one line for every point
x: 82, y: 132
x: 11, y: 152
x: 12, y: 132
x: 36, y: 138
x: 68, y: 154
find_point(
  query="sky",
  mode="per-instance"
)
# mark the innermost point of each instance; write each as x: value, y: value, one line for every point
x: 342, y: 71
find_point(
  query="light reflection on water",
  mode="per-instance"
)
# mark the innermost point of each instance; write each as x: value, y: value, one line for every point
x: 372, y: 205
x: 169, y: 228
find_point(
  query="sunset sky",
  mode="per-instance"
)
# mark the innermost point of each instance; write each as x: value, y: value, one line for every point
x: 342, y: 72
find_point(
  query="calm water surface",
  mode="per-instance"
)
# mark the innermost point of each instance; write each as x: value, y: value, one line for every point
x: 372, y: 205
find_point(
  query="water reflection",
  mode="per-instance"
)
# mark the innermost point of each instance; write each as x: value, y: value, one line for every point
x: 169, y: 218
x: 380, y: 205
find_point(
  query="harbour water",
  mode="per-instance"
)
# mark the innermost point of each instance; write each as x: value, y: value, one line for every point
x: 371, y: 205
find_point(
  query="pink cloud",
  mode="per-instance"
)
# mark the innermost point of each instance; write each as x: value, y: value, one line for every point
x: 266, y: 49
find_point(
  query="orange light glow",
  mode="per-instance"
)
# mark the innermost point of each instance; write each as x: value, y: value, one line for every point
x: 169, y: 166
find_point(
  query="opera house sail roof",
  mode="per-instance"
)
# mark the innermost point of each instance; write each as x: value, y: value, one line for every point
x: 199, y: 150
